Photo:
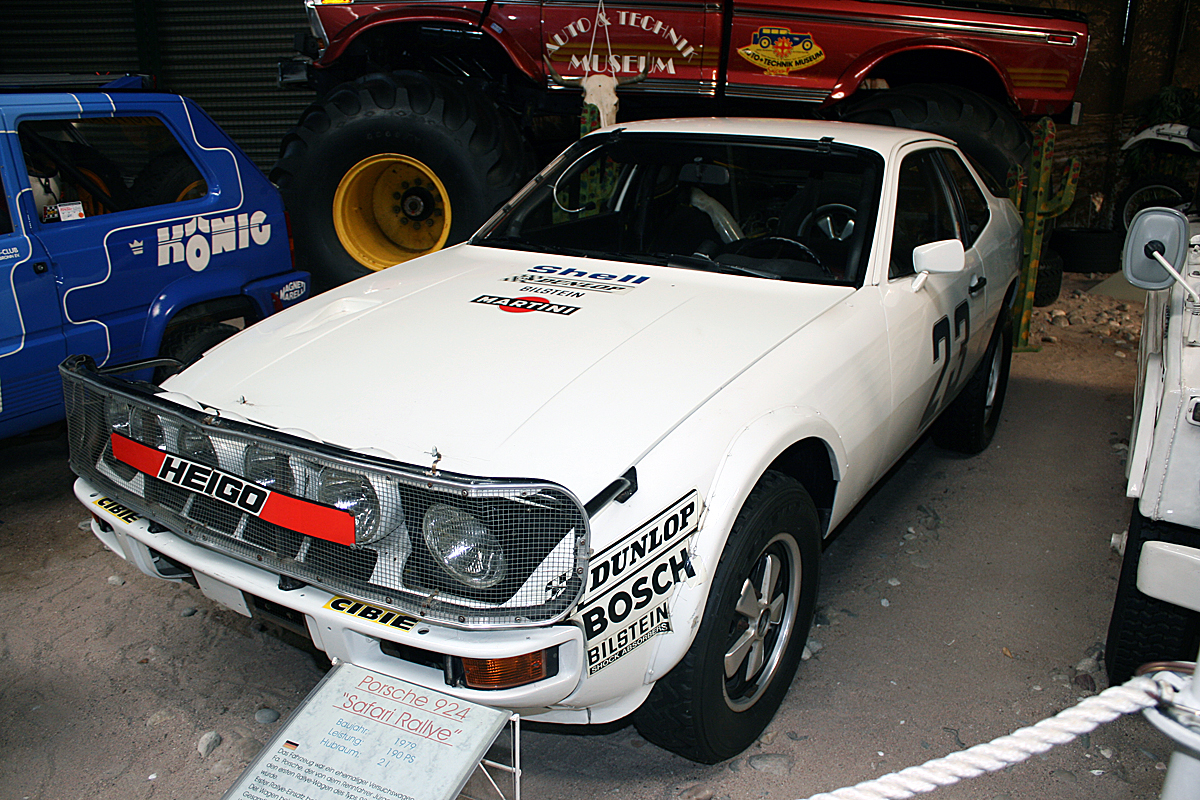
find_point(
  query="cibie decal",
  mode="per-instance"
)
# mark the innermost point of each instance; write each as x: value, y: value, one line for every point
x: 357, y: 608
x: 521, y: 305
x: 779, y: 51
x: 200, y: 238
x: 123, y: 513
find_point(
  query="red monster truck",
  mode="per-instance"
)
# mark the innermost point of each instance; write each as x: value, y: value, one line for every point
x: 429, y: 114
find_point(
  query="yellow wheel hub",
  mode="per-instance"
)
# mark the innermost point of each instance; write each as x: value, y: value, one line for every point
x: 389, y: 208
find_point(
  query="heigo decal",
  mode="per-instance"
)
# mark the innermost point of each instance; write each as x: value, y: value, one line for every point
x: 779, y: 51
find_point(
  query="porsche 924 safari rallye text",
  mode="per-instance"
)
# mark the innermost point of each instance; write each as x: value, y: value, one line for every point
x: 581, y: 465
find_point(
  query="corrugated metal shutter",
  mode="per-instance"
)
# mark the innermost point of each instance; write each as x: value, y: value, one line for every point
x: 220, y: 53
x: 223, y: 55
x: 77, y: 36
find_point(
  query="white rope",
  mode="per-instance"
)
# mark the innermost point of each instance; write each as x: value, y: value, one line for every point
x: 601, y: 16
x: 1138, y: 693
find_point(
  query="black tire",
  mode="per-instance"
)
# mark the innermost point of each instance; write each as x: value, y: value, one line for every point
x: 696, y: 710
x: 416, y: 131
x: 187, y: 343
x: 982, y: 127
x: 1142, y: 628
x: 969, y: 422
x: 170, y: 178
x: 1150, y: 191
x: 1049, y: 278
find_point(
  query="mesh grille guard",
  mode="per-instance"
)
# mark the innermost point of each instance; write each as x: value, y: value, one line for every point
x: 347, y: 522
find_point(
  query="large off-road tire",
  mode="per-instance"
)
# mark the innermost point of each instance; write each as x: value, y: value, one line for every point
x: 1142, y: 628
x: 720, y: 697
x: 187, y: 343
x: 172, y: 178
x: 982, y: 127
x: 1150, y: 191
x: 969, y: 422
x: 392, y: 166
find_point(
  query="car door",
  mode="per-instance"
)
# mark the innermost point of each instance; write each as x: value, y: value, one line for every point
x: 934, y: 320
x: 31, y: 341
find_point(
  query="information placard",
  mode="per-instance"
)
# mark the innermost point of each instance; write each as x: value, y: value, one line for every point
x: 360, y: 735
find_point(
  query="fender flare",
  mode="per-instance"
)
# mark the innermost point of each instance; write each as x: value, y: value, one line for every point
x: 848, y: 82
x: 468, y: 19
x: 199, y: 287
x: 748, y: 456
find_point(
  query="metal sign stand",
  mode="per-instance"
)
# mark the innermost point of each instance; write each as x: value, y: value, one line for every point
x: 362, y: 735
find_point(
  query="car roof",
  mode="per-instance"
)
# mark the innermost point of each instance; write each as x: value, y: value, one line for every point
x: 881, y: 138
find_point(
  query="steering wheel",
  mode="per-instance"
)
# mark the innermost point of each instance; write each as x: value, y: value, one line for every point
x: 834, y: 220
x: 775, y: 247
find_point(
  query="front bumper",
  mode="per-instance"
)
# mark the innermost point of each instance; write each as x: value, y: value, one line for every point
x: 342, y: 635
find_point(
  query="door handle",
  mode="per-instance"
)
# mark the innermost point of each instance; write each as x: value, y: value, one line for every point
x: 977, y: 284
x: 41, y: 268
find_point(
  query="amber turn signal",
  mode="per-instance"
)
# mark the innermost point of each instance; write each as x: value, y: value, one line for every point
x: 504, y: 673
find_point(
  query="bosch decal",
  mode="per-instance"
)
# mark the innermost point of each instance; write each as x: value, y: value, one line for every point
x: 356, y: 608
x: 123, y: 513
x: 200, y: 238
x: 653, y: 583
x: 302, y: 516
x: 780, y: 52
x: 521, y: 305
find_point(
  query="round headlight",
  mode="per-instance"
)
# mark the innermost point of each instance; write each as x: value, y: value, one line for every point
x: 195, y: 445
x: 355, y: 495
x: 465, y: 546
x: 269, y: 468
x: 134, y: 423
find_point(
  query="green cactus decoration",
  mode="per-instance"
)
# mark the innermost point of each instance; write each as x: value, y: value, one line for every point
x: 1034, y: 197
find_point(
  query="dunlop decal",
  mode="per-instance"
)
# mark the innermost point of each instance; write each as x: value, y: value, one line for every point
x: 381, y: 616
x: 119, y: 511
x: 302, y: 516
x: 645, y: 544
x: 780, y: 52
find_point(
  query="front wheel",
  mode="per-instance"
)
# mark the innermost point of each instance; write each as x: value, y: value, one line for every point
x: 1148, y: 192
x: 725, y: 691
x: 393, y: 166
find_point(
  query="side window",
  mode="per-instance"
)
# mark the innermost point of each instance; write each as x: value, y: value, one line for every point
x: 974, y: 204
x: 106, y: 165
x: 924, y: 212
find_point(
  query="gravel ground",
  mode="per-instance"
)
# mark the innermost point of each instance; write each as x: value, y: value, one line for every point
x: 965, y: 599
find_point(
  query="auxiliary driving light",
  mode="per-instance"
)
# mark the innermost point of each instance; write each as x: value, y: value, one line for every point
x: 504, y: 673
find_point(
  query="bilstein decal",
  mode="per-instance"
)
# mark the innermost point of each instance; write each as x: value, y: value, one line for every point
x: 302, y: 516
x: 780, y: 52
x: 357, y: 608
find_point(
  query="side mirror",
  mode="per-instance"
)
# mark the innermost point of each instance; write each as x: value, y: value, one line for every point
x: 1155, y: 230
x: 944, y: 256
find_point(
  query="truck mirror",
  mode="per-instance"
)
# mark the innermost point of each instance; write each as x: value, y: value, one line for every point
x: 1155, y: 230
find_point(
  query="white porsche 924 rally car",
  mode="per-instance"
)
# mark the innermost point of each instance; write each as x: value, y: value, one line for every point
x: 582, y: 465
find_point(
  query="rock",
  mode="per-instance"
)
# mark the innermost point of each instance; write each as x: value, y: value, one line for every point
x: 883, y: 601
x: 244, y: 749
x: 771, y: 763
x: 220, y: 768
x: 265, y: 716
x: 813, y: 645
x: 1065, y: 775
x: 208, y: 742
x: 1085, y: 681
x: 1061, y: 322
x: 767, y: 738
x: 1087, y: 664
x: 697, y: 792
x: 86, y: 525
x: 116, y: 580
x: 1119, y: 354
x: 920, y: 563
x: 188, y: 612
x: 893, y: 581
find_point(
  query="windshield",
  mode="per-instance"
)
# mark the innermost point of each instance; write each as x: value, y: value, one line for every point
x: 770, y: 208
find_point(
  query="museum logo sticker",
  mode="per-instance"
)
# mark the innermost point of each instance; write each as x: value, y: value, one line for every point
x: 780, y: 52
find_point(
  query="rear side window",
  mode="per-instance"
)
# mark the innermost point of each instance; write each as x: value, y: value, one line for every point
x: 975, y: 207
x: 89, y: 167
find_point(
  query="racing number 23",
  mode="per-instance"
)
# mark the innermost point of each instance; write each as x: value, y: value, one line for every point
x: 943, y: 347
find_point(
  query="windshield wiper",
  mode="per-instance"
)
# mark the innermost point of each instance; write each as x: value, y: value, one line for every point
x: 703, y: 262
x: 521, y: 243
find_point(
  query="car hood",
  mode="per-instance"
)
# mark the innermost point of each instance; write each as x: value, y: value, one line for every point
x: 592, y: 365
